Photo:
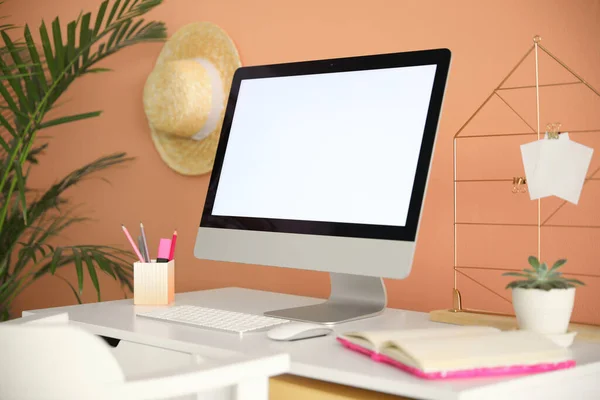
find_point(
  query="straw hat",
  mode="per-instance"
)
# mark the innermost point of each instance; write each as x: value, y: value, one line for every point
x: 186, y: 93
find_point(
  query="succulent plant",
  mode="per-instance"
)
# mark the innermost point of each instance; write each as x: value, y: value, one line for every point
x: 542, y: 277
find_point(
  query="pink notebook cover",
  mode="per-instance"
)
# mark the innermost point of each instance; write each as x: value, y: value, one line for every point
x: 469, y: 373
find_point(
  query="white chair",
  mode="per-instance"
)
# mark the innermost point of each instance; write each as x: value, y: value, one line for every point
x: 49, y: 359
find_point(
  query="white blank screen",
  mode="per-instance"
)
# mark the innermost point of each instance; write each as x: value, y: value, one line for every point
x: 335, y: 147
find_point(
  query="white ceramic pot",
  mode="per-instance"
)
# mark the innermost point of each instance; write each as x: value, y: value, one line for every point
x: 543, y: 311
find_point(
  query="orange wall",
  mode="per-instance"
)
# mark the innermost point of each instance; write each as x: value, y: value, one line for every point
x: 487, y: 39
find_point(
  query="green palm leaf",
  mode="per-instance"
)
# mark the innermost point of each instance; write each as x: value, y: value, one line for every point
x: 70, y: 118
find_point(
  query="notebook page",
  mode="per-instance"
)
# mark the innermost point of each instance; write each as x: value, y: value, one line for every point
x: 380, y: 339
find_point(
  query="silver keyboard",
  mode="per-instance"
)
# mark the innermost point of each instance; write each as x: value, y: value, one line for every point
x: 210, y: 318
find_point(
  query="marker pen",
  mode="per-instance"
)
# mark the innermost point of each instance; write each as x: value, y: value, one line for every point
x: 164, y: 248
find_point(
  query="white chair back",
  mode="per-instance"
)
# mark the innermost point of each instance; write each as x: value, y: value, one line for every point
x: 46, y: 360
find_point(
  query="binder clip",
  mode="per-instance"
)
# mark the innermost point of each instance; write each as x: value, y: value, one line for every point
x: 519, y: 184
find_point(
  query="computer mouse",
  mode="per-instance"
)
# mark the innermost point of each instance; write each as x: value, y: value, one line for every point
x: 297, y: 330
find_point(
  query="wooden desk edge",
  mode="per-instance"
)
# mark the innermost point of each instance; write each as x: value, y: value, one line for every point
x: 291, y: 387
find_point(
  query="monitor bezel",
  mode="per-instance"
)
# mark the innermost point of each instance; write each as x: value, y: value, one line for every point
x: 439, y: 57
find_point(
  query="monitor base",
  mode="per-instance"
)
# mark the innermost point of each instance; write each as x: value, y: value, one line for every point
x: 352, y: 297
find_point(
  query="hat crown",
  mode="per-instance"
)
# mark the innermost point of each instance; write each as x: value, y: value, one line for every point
x: 179, y: 97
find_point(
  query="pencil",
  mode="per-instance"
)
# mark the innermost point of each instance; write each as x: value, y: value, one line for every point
x: 173, y: 241
x: 147, y: 255
x: 141, y: 247
x: 135, y: 249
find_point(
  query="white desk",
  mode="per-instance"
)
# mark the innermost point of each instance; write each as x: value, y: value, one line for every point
x: 323, y: 358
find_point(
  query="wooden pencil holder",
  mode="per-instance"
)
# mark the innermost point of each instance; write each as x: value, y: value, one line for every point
x: 153, y: 283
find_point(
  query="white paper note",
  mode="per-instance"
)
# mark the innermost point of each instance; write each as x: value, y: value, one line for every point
x: 562, y: 167
x: 530, y: 153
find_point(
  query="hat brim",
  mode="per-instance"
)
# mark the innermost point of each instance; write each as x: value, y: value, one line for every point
x: 197, y: 40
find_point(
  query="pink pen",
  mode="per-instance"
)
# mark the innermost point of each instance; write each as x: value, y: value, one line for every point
x: 164, y: 248
x: 173, y: 243
x: 137, y: 251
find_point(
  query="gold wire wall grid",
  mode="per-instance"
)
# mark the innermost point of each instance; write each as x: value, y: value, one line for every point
x: 519, y: 183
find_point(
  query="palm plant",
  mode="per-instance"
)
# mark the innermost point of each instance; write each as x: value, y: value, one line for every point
x: 32, y: 79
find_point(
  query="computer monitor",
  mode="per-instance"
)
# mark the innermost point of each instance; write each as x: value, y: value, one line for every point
x: 323, y: 165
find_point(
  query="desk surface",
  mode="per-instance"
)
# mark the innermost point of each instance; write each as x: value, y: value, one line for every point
x: 323, y: 358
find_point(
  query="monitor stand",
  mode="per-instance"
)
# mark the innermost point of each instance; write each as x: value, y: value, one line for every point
x: 352, y: 297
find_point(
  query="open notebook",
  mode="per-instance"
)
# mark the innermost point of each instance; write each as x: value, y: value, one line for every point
x: 461, y: 352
